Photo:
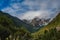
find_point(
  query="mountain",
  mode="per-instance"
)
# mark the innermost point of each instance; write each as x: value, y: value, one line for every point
x: 14, y: 28
x: 37, y: 22
x: 55, y: 23
x: 14, y: 22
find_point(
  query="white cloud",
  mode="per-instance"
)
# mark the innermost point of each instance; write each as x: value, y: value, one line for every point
x: 40, y: 6
x: 32, y: 14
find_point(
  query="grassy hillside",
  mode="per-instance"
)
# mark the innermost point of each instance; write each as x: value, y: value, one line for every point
x: 54, y: 23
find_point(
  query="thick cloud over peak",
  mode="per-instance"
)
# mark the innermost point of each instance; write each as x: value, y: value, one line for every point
x: 32, y: 14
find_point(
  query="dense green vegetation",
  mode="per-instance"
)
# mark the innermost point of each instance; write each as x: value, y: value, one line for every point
x: 52, y: 34
x: 12, y: 28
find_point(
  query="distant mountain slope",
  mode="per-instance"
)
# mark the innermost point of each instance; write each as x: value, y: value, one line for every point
x: 14, y: 22
x: 54, y: 23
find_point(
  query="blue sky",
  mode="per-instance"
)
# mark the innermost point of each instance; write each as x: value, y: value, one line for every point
x: 29, y: 9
